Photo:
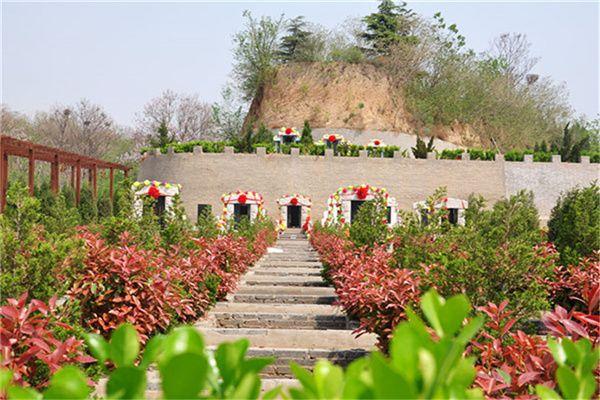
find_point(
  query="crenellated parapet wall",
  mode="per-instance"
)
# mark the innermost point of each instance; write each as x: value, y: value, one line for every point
x: 206, y: 176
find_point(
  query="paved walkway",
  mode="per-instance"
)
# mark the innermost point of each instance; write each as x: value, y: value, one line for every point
x: 285, y: 309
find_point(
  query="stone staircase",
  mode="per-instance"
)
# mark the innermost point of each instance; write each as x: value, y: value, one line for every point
x: 285, y: 309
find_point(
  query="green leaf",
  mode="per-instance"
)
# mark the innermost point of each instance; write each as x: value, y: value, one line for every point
x: 184, y: 339
x: 387, y: 383
x: 403, y: 351
x: 568, y: 382
x: 98, y: 346
x: 546, y: 393
x: 248, y: 387
x: 470, y: 330
x: 183, y: 376
x: 557, y: 351
x: 153, y: 349
x: 124, y: 345
x: 68, y: 383
x: 256, y: 364
x: 126, y: 383
x: 5, y: 378
x: 23, y: 393
x: 428, y: 368
x: 431, y: 304
x: 229, y: 358
x: 572, y: 351
x: 272, y: 394
x: 305, y: 378
x: 453, y: 314
x: 329, y: 379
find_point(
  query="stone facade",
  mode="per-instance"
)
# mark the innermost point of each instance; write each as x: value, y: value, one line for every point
x: 206, y: 176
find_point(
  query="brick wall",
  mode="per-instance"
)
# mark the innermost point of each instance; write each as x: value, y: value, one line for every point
x: 205, y: 177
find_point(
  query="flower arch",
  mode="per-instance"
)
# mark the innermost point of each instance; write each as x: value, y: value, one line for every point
x: 253, y: 199
x: 294, y: 200
x: 339, y: 203
x: 154, y: 189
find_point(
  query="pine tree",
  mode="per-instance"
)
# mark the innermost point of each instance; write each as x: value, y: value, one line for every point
x: 163, y: 138
x: 392, y: 24
x: 291, y: 44
x: 306, y: 137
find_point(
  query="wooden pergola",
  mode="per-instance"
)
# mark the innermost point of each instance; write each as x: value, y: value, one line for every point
x: 34, y: 152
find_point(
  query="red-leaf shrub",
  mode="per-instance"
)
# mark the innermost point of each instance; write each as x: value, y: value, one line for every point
x: 509, y: 363
x: 27, y: 341
x: 152, y: 289
x: 367, y: 287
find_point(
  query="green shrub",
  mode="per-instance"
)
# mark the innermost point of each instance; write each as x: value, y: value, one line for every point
x: 574, y: 224
x: 498, y: 255
x: 370, y: 224
x: 88, y: 207
x: 32, y: 258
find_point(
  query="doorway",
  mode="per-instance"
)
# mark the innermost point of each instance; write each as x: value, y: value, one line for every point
x: 241, y: 211
x: 294, y: 216
x: 354, y: 207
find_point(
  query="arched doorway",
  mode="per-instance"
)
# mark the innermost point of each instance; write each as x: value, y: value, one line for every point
x: 343, y: 205
x: 294, y: 211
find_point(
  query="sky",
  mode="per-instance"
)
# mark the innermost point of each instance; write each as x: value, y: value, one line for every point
x: 120, y: 55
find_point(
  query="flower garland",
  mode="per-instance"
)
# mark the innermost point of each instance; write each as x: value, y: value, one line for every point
x: 334, y: 213
x: 333, y: 138
x: 155, y: 188
x: 240, y: 197
x: 286, y: 132
x: 376, y: 143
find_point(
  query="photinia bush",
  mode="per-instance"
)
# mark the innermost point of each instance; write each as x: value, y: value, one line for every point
x: 371, y: 291
x: 28, y: 346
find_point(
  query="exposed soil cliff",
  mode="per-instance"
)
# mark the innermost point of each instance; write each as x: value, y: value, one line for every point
x: 354, y: 97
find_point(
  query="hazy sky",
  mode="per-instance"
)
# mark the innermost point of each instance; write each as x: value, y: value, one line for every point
x: 122, y: 54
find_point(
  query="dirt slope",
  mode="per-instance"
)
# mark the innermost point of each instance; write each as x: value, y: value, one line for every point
x: 354, y: 97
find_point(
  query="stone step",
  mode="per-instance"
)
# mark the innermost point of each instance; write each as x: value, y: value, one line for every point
x: 285, y: 290
x: 283, y: 299
x: 289, y: 264
x: 310, y: 271
x: 276, y: 280
x: 288, y: 258
x: 298, y: 345
x: 280, y: 316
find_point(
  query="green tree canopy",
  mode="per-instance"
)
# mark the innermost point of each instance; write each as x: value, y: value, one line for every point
x: 391, y: 24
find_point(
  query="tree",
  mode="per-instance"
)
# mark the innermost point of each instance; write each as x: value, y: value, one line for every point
x: 390, y: 25
x: 574, y: 224
x: 256, y: 54
x: 162, y: 137
x: 228, y: 115
x: 84, y: 128
x: 306, y: 137
x: 512, y: 50
x: 186, y: 117
x: 292, y: 44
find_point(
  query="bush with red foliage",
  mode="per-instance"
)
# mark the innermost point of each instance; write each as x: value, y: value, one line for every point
x: 510, y: 362
x: 367, y: 287
x: 27, y: 341
x: 152, y: 289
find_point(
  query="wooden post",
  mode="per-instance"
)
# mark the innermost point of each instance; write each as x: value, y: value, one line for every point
x: 125, y: 173
x: 94, y: 172
x: 54, y: 184
x: 78, y: 182
x: 111, y: 187
x: 31, y: 171
x: 72, y: 177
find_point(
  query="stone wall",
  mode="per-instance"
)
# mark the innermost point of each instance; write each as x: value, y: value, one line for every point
x: 205, y: 177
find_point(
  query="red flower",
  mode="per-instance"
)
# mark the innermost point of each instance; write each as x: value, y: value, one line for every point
x: 288, y: 131
x: 154, y: 192
x: 376, y: 142
x: 343, y: 220
x: 332, y: 138
x: 242, y: 199
x: 362, y: 192
x: 294, y: 201
x: 344, y: 190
